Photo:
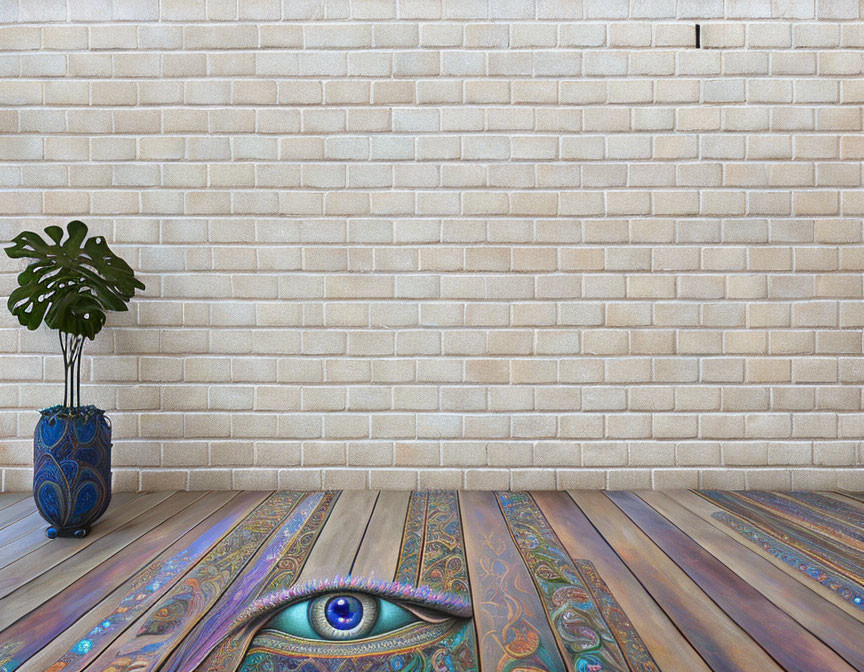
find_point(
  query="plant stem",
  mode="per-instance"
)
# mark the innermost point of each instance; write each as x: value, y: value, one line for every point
x: 72, y: 347
x: 78, y: 372
x: 72, y: 401
x: 65, y: 369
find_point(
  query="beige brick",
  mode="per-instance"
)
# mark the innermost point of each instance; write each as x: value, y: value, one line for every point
x: 432, y: 479
x: 393, y: 479
x: 497, y: 228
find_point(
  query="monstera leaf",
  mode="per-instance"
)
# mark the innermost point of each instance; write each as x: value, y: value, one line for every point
x: 70, y: 284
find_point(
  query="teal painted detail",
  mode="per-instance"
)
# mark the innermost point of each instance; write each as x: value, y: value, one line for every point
x: 295, y: 620
x: 391, y: 617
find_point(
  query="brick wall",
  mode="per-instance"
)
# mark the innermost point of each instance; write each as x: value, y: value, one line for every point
x: 450, y: 243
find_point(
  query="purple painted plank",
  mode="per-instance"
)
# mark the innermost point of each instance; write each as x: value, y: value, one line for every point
x: 170, y: 619
x: 783, y: 638
x: 42, y: 625
x: 218, y: 622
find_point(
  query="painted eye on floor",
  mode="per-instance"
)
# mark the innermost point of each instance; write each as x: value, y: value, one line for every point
x: 341, y: 616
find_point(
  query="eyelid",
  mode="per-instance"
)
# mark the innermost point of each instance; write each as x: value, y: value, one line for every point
x: 423, y: 598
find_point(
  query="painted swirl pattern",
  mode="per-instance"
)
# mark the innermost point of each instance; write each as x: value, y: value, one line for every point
x: 570, y: 606
x: 443, y: 566
x: 408, y: 565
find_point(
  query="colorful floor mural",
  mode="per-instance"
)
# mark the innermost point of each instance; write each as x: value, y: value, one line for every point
x: 439, y: 581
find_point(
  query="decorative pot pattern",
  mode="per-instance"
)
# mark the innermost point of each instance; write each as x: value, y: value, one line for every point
x: 72, y: 468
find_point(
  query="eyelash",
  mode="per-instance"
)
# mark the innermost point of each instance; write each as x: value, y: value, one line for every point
x: 418, y: 597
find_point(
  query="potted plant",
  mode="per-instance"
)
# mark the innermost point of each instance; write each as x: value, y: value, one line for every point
x: 70, y: 285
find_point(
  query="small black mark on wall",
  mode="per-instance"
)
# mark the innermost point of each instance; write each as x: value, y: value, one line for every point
x: 698, y: 36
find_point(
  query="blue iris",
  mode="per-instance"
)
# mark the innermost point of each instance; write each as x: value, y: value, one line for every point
x: 344, y: 612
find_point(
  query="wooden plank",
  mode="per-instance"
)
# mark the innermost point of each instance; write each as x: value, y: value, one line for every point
x: 35, y: 536
x: 411, y: 545
x: 512, y: 630
x: 23, y: 545
x: 831, y: 542
x: 667, y: 646
x: 132, y: 597
x: 856, y: 505
x: 804, y: 545
x: 10, y: 498
x: 273, y: 568
x: 724, y: 645
x: 21, y: 527
x: 829, y: 531
x: 172, y: 617
x: 833, y: 626
x: 17, y: 511
x: 791, y: 645
x: 336, y: 548
x: 845, y: 512
x: 379, y: 551
x: 443, y: 567
x: 594, y: 619
x: 123, y: 508
x: 705, y: 510
x: 10, y: 536
x: 845, y: 498
x: 33, y: 593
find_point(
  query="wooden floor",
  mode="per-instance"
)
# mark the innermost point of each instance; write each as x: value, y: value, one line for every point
x: 579, y: 581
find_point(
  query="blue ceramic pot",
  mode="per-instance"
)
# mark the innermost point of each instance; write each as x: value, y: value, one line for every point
x: 72, y: 468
